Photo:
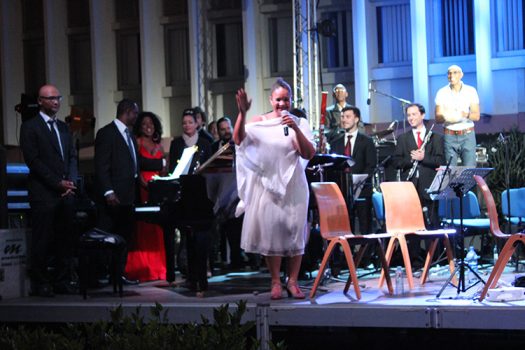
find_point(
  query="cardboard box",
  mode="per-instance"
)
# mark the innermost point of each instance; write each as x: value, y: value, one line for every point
x: 14, y: 281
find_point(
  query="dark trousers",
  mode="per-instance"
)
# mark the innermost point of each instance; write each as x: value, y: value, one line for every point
x: 53, y: 237
x: 197, y: 253
x: 231, y: 230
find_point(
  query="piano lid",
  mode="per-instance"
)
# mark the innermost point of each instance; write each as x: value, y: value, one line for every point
x: 220, y: 161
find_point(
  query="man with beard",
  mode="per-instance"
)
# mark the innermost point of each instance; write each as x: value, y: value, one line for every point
x: 230, y: 227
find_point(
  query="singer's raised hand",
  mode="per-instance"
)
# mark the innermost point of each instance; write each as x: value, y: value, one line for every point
x: 243, y: 103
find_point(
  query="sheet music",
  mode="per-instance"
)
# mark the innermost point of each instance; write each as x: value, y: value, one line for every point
x: 183, y: 166
x: 455, y: 174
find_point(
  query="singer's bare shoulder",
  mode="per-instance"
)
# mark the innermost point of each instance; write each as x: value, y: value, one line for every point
x: 256, y: 119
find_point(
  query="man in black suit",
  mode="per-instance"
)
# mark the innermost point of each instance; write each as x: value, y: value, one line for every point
x: 116, y: 173
x: 225, y: 187
x: 431, y: 156
x: 50, y: 155
x: 361, y: 148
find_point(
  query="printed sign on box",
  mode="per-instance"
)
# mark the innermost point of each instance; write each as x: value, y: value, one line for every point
x: 13, y: 262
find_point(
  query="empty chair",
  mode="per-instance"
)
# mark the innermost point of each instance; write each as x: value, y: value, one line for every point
x: 404, y: 219
x: 511, y: 243
x: 335, y: 228
x: 449, y: 211
x: 517, y: 205
x: 379, y: 209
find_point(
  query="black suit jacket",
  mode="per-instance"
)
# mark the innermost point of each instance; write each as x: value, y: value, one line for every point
x: 434, y: 157
x: 364, y: 155
x: 114, y: 167
x: 44, y: 160
x: 177, y: 147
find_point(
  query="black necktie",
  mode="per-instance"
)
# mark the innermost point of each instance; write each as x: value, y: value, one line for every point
x: 54, y: 136
x: 131, y: 149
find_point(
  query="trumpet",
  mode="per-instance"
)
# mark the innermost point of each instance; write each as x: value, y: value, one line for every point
x: 415, y: 163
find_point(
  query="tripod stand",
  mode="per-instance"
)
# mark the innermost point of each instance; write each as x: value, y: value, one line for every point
x: 463, y: 182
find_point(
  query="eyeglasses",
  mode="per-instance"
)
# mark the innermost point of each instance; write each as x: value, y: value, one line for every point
x: 51, y: 98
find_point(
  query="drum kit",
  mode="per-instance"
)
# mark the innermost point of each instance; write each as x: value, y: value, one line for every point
x: 384, y: 150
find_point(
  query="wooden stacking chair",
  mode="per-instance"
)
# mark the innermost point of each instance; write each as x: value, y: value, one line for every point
x: 335, y: 229
x: 404, y: 218
x: 511, y: 243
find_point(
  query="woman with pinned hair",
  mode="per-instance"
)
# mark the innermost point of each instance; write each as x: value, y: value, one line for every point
x: 272, y: 153
x: 196, y: 239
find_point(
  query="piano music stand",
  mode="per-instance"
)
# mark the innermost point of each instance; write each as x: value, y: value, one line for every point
x: 461, y: 181
x: 321, y: 161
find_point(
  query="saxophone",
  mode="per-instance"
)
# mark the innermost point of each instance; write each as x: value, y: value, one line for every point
x: 415, y: 163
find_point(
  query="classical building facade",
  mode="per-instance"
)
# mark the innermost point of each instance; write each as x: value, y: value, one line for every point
x: 172, y: 54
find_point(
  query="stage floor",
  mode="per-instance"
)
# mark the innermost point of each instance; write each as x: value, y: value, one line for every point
x: 418, y: 308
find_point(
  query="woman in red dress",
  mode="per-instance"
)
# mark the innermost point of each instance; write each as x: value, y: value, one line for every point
x: 146, y: 258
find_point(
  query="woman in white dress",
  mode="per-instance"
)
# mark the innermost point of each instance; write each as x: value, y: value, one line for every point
x: 272, y: 153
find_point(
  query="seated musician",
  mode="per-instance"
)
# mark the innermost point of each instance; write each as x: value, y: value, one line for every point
x: 333, y: 112
x: 411, y: 147
x: 196, y: 240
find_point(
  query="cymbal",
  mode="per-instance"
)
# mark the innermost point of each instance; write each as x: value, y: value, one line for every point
x: 382, y: 132
x: 336, y: 159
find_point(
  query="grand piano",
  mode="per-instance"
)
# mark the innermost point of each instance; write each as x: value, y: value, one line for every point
x: 186, y: 202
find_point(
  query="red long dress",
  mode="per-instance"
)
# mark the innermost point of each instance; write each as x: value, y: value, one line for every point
x: 147, y: 258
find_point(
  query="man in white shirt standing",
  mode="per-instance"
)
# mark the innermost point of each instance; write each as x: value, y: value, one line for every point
x: 457, y: 106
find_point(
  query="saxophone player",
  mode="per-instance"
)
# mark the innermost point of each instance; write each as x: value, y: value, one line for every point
x: 424, y: 150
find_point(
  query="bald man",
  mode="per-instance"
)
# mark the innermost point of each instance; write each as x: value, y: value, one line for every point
x: 49, y: 152
x: 457, y: 106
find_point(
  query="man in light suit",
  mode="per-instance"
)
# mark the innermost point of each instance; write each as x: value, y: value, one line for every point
x: 50, y: 155
x: 116, y: 173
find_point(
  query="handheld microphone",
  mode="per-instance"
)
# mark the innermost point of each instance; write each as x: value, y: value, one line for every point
x: 369, y: 99
x: 285, y: 127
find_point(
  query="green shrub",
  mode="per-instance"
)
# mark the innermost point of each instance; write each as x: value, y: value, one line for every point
x: 227, y: 332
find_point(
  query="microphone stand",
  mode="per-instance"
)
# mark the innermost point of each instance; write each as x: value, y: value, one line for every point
x: 401, y: 100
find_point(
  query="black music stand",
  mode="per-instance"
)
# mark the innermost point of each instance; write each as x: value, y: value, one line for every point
x: 461, y: 181
x: 321, y: 161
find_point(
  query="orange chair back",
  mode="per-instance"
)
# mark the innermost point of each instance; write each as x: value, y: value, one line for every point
x: 403, y: 212
x: 491, y: 206
x: 333, y: 213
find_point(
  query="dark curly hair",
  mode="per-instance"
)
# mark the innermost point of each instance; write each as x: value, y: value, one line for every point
x: 157, y: 133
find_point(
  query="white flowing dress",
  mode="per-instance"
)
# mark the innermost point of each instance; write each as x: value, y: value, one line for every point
x: 272, y: 186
